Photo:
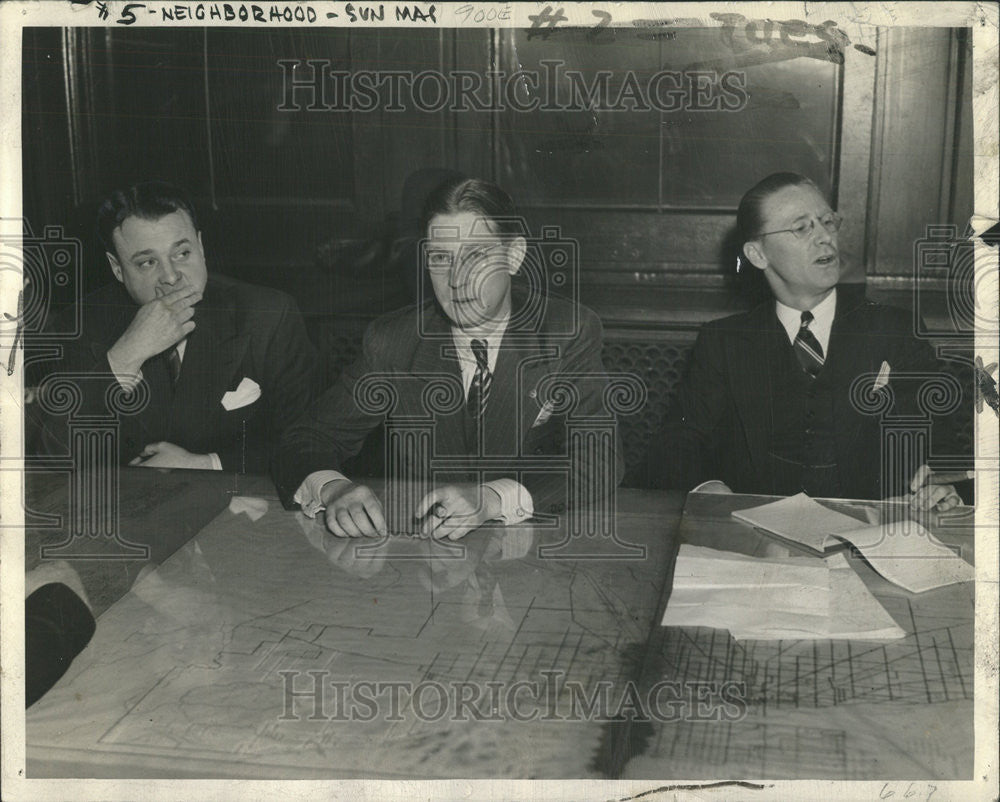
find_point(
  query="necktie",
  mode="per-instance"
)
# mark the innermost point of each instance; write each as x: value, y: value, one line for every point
x: 807, y: 347
x: 174, y: 362
x: 479, y: 390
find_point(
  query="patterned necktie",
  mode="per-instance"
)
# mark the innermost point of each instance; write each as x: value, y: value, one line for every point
x: 174, y: 362
x: 807, y: 347
x: 479, y: 390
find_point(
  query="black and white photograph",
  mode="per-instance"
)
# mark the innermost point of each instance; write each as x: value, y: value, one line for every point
x: 499, y: 400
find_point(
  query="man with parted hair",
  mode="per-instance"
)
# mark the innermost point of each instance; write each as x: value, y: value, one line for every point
x: 226, y: 365
x: 495, y: 346
x: 766, y: 404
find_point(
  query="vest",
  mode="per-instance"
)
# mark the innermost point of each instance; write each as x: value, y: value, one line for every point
x: 802, y: 451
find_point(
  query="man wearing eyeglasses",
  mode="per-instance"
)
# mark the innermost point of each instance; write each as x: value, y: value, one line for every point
x: 766, y: 404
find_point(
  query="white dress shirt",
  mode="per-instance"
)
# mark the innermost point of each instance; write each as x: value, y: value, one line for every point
x: 821, y: 323
x: 516, y: 504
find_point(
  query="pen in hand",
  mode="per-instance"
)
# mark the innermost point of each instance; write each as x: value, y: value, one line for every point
x: 949, y: 478
x: 929, y: 489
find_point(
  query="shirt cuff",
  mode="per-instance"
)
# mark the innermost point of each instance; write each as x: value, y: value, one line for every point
x: 516, y: 504
x: 216, y: 462
x: 309, y: 496
x: 127, y: 380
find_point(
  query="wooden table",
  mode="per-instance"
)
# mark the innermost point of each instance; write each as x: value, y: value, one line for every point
x: 262, y: 648
x: 270, y: 649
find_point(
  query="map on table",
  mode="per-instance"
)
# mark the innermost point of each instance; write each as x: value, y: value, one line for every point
x: 265, y: 647
x: 815, y: 709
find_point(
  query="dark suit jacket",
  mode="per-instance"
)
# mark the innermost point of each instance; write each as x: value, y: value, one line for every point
x: 411, y: 347
x: 241, y: 331
x: 720, y: 424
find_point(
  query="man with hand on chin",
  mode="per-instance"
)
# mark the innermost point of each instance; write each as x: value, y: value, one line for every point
x: 226, y: 365
x: 766, y: 404
x: 474, y: 346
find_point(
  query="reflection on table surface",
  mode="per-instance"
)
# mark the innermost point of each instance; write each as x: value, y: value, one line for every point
x: 265, y: 647
x: 155, y: 513
x: 269, y: 648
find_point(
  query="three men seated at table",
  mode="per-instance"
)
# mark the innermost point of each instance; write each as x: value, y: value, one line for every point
x: 766, y: 405
x: 221, y: 366
x: 769, y: 404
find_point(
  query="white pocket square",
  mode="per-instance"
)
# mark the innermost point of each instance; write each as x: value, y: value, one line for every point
x: 244, y: 395
x: 543, y: 415
x: 883, y: 376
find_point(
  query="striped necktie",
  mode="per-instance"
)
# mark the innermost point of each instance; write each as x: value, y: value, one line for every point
x: 807, y: 347
x: 479, y: 390
x: 174, y: 363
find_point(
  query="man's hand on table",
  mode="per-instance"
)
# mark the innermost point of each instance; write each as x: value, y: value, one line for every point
x: 352, y: 510
x: 929, y: 490
x: 453, y: 511
x: 168, y: 455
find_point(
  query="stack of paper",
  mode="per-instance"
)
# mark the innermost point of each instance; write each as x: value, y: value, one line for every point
x: 774, y: 599
x: 801, y: 520
x: 903, y: 552
x: 909, y: 556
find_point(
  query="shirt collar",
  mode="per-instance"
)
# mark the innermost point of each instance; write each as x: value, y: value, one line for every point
x: 823, y: 313
x: 463, y: 337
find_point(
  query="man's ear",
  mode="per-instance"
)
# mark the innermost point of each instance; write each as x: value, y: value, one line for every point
x: 755, y: 254
x: 116, y: 267
x: 516, y: 250
x: 201, y: 245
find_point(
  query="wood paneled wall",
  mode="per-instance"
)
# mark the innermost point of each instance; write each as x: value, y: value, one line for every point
x: 200, y: 106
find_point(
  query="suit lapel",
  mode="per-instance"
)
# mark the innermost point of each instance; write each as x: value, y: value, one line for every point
x: 506, y: 403
x: 845, y: 362
x: 842, y: 355
x: 212, y: 357
x: 759, y: 358
x: 521, y: 364
x: 514, y: 402
x: 111, y: 318
x: 435, y: 355
x: 156, y: 372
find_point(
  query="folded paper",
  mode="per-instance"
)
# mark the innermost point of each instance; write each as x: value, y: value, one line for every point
x: 755, y: 599
x: 903, y: 552
x: 799, y: 519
